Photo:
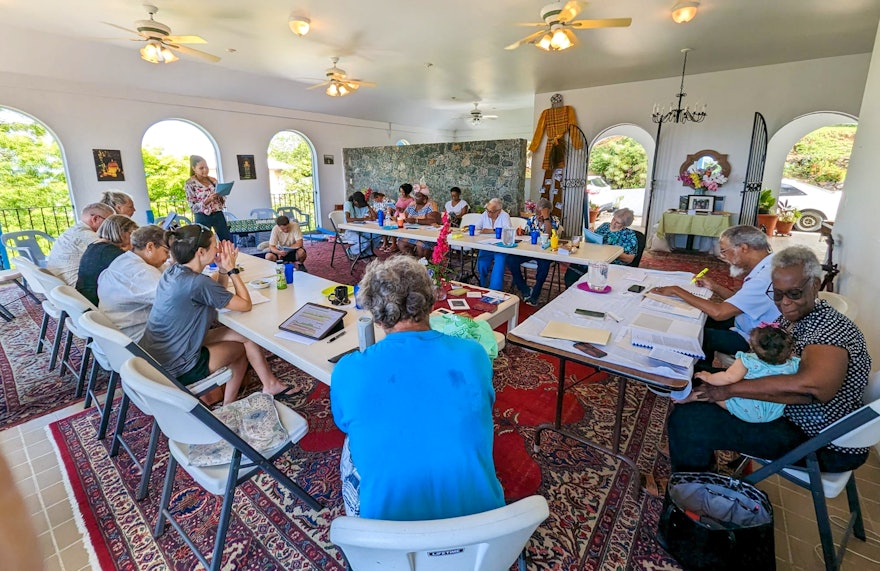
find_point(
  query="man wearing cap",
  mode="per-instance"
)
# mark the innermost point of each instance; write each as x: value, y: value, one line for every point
x: 542, y: 221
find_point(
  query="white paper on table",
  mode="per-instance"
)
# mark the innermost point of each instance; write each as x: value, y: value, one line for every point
x: 652, y: 301
x: 636, y: 275
x: 294, y: 337
x: 671, y: 357
x: 256, y: 297
x: 678, y: 327
x: 686, y: 346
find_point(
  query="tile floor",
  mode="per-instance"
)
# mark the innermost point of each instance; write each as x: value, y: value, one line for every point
x: 34, y: 464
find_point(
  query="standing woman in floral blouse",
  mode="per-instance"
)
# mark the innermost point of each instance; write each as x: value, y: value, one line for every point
x: 206, y: 204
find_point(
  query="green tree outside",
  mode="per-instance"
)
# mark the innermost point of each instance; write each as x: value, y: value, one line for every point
x: 621, y: 161
x: 821, y: 158
x: 165, y: 176
x: 294, y: 172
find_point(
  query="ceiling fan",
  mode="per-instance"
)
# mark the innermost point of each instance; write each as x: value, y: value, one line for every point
x: 558, y: 23
x: 338, y: 84
x: 161, y: 45
x: 475, y: 118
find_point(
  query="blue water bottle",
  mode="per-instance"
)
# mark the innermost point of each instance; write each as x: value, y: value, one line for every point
x: 380, y: 217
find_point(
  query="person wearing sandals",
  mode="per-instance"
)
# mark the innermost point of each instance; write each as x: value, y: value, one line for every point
x: 543, y: 222
x: 178, y: 333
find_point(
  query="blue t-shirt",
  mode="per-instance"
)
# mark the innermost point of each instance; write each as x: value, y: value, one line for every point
x: 420, y: 430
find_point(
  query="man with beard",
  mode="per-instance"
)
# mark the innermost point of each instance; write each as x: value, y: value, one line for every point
x: 731, y: 320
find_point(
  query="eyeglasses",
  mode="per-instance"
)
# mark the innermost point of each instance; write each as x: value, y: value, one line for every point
x: 723, y: 251
x: 792, y: 294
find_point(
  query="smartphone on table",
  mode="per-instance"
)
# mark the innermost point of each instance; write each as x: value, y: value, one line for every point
x: 590, y: 350
x: 636, y: 288
x: 590, y: 313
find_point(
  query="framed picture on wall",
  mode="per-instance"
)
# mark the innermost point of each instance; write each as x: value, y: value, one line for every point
x: 108, y: 165
x: 701, y: 203
x: 246, y: 170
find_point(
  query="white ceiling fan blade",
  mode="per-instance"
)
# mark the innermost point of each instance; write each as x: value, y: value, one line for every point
x: 532, y: 24
x: 570, y: 11
x: 605, y: 23
x: 360, y: 82
x: 490, y: 116
x: 129, y: 30
x: 194, y: 52
x: 317, y: 85
x: 185, y: 39
x: 526, y: 40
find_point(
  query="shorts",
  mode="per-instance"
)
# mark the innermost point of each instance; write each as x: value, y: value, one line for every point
x: 199, y: 371
x: 290, y: 256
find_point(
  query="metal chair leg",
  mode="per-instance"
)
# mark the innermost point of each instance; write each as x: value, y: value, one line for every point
x: 108, y: 404
x: 44, y: 327
x: 56, y: 345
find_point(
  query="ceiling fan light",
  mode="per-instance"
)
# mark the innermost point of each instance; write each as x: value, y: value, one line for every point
x: 332, y: 90
x: 167, y: 55
x: 150, y: 53
x: 352, y: 87
x: 299, y: 25
x: 560, y: 41
x: 684, y: 12
x: 544, y: 43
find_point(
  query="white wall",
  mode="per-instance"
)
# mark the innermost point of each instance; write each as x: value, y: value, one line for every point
x: 856, y: 227
x: 780, y: 92
x: 86, y: 116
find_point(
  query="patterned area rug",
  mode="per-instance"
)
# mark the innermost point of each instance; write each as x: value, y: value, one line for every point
x: 27, y: 388
x: 594, y: 523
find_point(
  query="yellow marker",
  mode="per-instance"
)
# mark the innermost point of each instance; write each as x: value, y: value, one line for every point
x: 702, y: 273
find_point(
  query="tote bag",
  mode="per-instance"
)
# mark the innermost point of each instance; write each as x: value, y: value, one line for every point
x: 710, y: 521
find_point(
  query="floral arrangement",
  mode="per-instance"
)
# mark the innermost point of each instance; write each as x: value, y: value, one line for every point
x: 438, y: 267
x: 530, y: 206
x: 709, y: 178
x: 367, y: 192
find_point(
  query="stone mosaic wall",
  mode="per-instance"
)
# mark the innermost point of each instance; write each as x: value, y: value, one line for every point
x: 482, y: 169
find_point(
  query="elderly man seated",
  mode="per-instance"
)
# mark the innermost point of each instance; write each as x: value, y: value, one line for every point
x: 67, y: 251
x: 419, y: 439
x: 286, y: 242
x: 419, y: 212
x: 492, y: 217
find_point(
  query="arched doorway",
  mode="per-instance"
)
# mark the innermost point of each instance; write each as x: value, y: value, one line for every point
x: 806, y: 166
x: 292, y: 184
x: 166, y: 147
x: 618, y: 171
x: 34, y: 193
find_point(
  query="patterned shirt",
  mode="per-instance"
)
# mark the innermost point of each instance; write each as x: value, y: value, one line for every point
x: 533, y: 224
x: 196, y: 193
x: 67, y: 252
x: 624, y: 238
x: 414, y: 212
x: 826, y: 326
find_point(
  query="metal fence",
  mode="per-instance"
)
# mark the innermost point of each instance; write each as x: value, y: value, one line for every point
x: 161, y: 208
x: 303, y: 201
x: 52, y: 220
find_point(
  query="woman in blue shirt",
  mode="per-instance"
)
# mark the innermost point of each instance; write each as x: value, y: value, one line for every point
x: 614, y: 233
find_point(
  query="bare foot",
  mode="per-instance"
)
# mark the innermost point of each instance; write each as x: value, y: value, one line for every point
x: 274, y: 387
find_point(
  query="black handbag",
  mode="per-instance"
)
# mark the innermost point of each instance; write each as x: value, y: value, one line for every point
x: 710, y: 521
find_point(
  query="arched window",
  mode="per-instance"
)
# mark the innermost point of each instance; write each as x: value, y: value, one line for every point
x: 617, y: 173
x: 34, y: 194
x: 292, y: 176
x: 166, y: 148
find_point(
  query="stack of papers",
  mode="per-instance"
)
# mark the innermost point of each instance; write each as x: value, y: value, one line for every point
x: 668, y: 304
x: 561, y: 330
x: 653, y: 331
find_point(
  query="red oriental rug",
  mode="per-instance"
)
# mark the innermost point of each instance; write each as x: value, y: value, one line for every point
x: 594, y: 523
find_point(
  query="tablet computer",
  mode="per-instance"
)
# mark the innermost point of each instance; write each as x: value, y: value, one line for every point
x: 224, y: 188
x: 314, y: 321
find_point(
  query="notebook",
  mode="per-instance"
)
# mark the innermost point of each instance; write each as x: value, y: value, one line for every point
x: 562, y: 330
x: 593, y: 237
x: 223, y: 188
x: 652, y: 340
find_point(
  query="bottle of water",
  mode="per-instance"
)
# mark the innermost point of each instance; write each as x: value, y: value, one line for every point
x: 280, y: 280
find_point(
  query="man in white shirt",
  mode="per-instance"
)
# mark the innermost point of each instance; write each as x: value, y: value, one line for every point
x: 68, y: 248
x: 730, y: 321
x: 286, y: 242
x: 492, y: 217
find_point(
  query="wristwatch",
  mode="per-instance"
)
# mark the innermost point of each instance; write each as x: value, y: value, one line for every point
x: 233, y: 271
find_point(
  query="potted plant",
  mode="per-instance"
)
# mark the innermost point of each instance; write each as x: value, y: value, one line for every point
x: 594, y: 212
x: 787, y: 216
x: 766, y: 217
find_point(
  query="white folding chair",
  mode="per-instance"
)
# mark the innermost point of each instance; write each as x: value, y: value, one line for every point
x: 859, y: 429
x: 840, y: 303
x: 72, y: 305
x: 488, y: 541
x: 337, y: 217
x: 113, y: 349
x: 186, y: 421
x: 42, y: 282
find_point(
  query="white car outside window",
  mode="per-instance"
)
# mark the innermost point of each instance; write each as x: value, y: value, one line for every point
x: 816, y: 204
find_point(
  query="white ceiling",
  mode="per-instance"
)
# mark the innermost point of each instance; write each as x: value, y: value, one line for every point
x: 391, y: 42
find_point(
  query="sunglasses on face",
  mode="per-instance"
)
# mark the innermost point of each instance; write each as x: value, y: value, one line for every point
x: 792, y: 294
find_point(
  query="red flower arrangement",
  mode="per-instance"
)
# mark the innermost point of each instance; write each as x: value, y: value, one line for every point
x: 438, y: 267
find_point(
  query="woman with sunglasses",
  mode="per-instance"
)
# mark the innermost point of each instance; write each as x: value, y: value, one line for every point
x: 828, y: 385
x: 185, y: 307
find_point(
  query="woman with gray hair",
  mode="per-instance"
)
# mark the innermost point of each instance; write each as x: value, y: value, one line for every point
x: 615, y: 233
x: 127, y: 288
x: 828, y: 385
x: 114, y: 238
x: 419, y: 438
x: 120, y: 202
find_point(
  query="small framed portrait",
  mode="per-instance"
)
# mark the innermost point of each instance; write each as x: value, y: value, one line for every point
x: 108, y: 165
x: 246, y: 170
x: 701, y: 203
x: 328, y: 159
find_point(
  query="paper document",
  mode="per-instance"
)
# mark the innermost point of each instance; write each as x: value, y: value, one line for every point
x: 294, y: 337
x: 593, y: 237
x: 668, y: 325
x: 660, y: 303
x: 561, y: 330
x: 701, y: 292
x: 672, y: 357
x: 690, y: 347
x: 256, y: 297
x: 224, y: 188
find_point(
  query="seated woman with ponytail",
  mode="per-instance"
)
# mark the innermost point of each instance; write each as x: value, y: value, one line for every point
x: 186, y: 304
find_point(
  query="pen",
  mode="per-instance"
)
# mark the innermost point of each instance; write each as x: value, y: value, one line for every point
x: 702, y: 273
x: 335, y: 337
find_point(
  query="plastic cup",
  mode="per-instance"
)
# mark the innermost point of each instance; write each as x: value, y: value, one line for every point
x: 357, y: 303
x: 597, y: 275
x: 288, y: 273
x: 380, y: 217
x: 535, y: 235
x: 471, y: 229
x: 498, y: 233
